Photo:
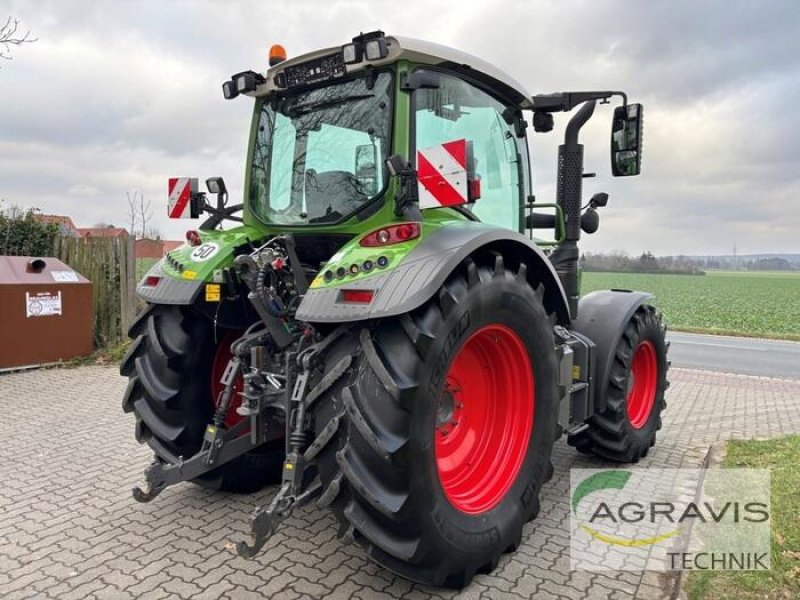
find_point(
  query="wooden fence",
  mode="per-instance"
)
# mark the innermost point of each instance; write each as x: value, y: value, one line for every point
x: 110, y: 265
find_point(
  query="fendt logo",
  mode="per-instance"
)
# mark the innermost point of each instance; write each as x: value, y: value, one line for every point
x: 670, y: 517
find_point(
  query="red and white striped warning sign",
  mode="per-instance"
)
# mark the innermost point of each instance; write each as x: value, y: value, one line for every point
x: 442, y: 174
x: 180, y: 197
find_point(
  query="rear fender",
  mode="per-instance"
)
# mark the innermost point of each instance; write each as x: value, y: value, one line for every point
x: 423, y: 270
x: 183, y: 272
x: 603, y: 317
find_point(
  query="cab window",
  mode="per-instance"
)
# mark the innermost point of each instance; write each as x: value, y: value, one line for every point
x: 459, y: 110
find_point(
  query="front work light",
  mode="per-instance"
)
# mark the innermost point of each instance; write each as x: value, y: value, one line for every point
x: 216, y: 185
x: 242, y: 83
x: 245, y: 82
x: 351, y: 53
x: 376, y: 49
x: 229, y: 90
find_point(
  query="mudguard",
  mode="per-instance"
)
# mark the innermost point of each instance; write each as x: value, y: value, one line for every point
x: 183, y: 272
x: 423, y: 270
x: 603, y: 317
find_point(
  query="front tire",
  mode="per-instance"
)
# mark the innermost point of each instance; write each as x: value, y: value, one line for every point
x: 173, y: 369
x: 626, y: 430
x: 400, y: 472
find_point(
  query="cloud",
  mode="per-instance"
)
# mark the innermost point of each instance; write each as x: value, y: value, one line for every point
x: 119, y: 96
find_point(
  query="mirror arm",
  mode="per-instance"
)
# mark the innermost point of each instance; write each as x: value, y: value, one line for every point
x: 566, y: 101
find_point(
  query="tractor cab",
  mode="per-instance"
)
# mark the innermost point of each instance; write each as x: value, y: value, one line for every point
x: 326, y: 123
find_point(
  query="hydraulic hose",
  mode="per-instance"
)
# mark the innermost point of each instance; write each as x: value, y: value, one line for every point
x: 271, y: 304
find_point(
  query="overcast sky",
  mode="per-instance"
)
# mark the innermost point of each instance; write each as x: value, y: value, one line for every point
x: 119, y: 96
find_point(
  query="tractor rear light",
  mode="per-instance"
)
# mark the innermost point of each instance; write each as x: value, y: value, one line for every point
x: 151, y: 281
x: 394, y: 234
x: 356, y: 296
x: 193, y: 238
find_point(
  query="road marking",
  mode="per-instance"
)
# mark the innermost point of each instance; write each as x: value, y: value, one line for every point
x: 732, y: 346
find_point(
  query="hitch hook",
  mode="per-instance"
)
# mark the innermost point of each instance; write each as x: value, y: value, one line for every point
x: 264, y: 522
x: 154, y: 483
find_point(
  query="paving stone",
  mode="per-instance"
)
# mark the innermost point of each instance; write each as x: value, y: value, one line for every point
x: 69, y: 528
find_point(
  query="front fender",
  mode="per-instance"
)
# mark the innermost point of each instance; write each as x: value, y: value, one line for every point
x: 423, y: 270
x: 183, y: 272
x: 603, y: 317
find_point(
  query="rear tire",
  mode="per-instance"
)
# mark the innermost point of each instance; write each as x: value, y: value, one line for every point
x: 626, y: 430
x: 169, y: 370
x: 383, y: 470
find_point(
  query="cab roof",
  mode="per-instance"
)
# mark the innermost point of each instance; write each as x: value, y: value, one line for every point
x: 421, y: 52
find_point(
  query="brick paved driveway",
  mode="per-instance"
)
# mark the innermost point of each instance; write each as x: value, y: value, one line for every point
x: 70, y: 529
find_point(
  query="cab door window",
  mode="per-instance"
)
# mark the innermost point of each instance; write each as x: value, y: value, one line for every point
x: 458, y: 109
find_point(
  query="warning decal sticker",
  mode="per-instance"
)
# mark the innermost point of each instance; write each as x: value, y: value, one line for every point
x: 42, y: 304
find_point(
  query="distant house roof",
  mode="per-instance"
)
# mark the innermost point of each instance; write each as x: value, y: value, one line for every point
x: 145, y: 248
x: 88, y: 232
x: 65, y: 223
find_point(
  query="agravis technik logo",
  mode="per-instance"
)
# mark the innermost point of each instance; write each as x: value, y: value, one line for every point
x: 669, y: 519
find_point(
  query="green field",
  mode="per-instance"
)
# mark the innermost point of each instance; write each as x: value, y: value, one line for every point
x: 738, y: 303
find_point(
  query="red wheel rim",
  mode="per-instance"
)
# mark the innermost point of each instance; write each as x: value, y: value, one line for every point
x: 221, y: 358
x: 642, y: 382
x: 484, y: 419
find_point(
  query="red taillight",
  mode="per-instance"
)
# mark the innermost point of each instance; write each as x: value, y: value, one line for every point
x: 193, y: 238
x: 393, y: 234
x: 356, y: 296
x: 151, y: 281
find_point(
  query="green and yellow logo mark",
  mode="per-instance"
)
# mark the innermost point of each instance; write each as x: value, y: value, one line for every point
x: 616, y: 479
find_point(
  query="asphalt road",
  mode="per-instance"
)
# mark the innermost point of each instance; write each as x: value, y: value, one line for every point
x: 748, y: 356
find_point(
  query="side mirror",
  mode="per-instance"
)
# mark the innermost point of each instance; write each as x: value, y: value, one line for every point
x: 626, y: 141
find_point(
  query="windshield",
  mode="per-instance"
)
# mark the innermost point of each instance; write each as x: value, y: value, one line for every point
x: 319, y: 155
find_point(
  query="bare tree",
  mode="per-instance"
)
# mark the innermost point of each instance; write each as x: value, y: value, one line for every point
x: 10, y: 35
x: 145, y: 214
x: 133, y: 214
x: 139, y: 214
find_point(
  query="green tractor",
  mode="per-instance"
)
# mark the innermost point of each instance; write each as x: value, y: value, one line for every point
x: 380, y: 332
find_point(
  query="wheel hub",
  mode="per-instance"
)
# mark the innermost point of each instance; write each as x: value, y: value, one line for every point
x: 450, y: 407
